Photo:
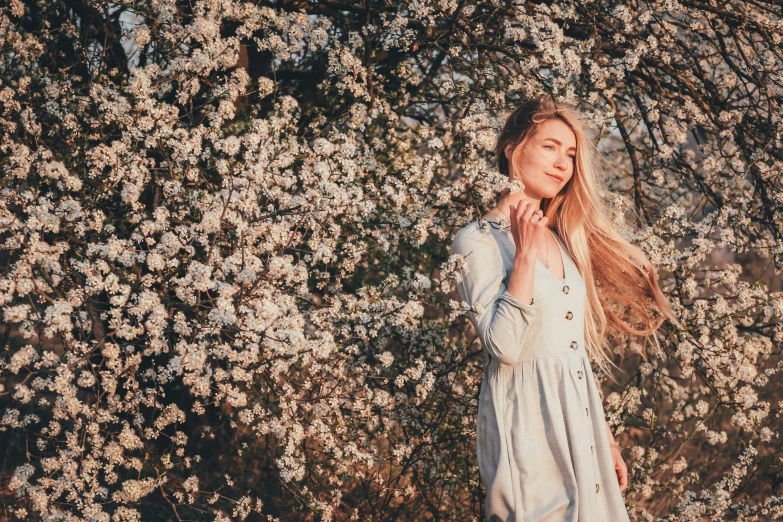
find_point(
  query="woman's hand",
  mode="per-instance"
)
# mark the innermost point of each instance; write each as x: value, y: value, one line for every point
x: 528, y: 226
x: 620, y: 469
x: 527, y: 230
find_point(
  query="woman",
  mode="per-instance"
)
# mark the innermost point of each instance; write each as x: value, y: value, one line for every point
x: 546, y: 276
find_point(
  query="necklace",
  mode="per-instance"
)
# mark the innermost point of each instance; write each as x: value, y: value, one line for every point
x: 546, y: 256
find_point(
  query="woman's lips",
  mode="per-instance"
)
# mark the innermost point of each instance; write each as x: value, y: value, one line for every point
x: 558, y: 178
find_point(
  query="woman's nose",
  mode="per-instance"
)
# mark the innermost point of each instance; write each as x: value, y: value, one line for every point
x: 561, y: 162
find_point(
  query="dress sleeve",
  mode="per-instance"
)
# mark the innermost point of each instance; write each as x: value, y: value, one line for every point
x: 501, y: 320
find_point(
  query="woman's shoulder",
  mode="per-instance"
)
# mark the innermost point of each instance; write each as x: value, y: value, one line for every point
x: 479, y: 233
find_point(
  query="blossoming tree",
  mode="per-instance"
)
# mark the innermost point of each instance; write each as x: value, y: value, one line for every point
x: 225, y: 284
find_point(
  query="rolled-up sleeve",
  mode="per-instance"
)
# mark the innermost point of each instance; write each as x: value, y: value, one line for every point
x: 501, y: 320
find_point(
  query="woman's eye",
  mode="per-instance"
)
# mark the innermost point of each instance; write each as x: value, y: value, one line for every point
x: 552, y: 147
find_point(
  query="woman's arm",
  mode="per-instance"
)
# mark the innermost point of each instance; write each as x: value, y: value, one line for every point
x: 619, y: 464
x: 501, y: 314
x: 609, y: 434
x: 523, y: 272
x: 501, y: 320
x: 528, y: 232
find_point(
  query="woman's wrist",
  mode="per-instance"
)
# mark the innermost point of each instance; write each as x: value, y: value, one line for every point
x: 521, y: 280
x: 610, y: 437
x: 524, y: 258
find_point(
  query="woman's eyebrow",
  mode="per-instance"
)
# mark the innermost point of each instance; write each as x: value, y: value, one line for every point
x: 556, y: 141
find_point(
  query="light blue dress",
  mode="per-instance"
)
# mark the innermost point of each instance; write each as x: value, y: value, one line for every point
x: 543, y: 450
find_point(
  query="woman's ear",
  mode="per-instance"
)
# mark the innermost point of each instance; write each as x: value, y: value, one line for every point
x: 509, y: 148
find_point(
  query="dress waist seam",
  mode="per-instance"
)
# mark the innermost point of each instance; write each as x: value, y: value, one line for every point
x: 570, y: 358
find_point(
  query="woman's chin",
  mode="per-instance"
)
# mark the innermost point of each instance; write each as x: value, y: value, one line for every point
x: 550, y: 193
x: 539, y: 193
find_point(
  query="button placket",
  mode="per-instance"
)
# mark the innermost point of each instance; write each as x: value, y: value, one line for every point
x: 580, y: 374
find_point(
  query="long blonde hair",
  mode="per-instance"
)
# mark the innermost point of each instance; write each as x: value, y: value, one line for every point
x: 622, y: 286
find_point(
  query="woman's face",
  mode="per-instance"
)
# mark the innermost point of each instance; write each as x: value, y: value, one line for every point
x: 546, y: 162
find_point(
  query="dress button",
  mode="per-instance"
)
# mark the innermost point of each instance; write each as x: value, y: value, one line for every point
x: 580, y: 374
x: 566, y: 289
x: 597, y: 487
x: 574, y: 345
x: 569, y: 315
x: 591, y: 449
x: 587, y: 412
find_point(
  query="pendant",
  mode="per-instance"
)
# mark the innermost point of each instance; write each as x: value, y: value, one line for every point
x: 546, y: 264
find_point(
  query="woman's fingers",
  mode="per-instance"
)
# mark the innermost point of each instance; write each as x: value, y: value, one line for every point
x: 528, y: 213
x: 524, y: 212
x: 525, y: 216
x: 622, y: 472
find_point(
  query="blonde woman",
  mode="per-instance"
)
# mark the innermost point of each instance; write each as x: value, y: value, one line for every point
x: 546, y: 275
